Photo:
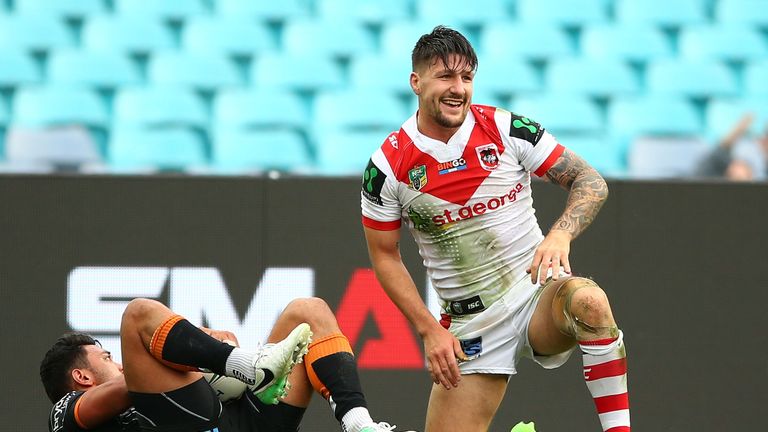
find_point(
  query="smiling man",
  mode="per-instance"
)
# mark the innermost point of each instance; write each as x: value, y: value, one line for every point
x: 459, y: 175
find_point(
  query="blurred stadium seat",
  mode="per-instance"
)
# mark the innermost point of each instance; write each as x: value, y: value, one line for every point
x: 72, y: 147
x: 167, y: 10
x: 259, y: 108
x: 353, y: 110
x: 743, y: 12
x: 283, y: 10
x: 626, y: 42
x: 399, y: 37
x: 234, y: 36
x: 77, y: 9
x: 694, y: 78
x: 290, y: 72
x: 478, y: 12
x: 327, y: 37
x: 523, y: 41
x: 664, y: 157
x: 34, y: 32
x: 560, y: 114
x: 205, y: 72
x: 130, y: 34
x: 17, y: 68
x: 57, y: 106
x: 756, y: 79
x: 566, y: 13
x: 723, y: 43
x: 722, y: 115
x: 661, y: 12
x: 599, y: 77
x: 91, y: 69
x: 599, y: 151
x: 247, y: 150
x: 364, y: 11
x: 140, y: 149
x: 159, y: 106
x: 347, y: 152
x: 506, y: 75
x: 653, y: 115
x: 372, y: 71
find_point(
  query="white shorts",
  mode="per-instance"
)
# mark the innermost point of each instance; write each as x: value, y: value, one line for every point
x: 499, y: 334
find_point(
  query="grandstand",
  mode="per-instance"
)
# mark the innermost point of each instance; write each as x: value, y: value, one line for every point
x: 313, y: 86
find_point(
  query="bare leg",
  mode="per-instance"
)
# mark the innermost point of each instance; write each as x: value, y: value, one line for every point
x: 470, y: 407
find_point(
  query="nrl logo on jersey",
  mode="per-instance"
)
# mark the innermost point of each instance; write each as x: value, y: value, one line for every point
x: 417, y: 177
x: 488, y: 155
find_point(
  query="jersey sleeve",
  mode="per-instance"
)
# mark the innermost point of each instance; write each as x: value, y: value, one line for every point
x: 62, y: 417
x: 536, y: 149
x: 378, y: 195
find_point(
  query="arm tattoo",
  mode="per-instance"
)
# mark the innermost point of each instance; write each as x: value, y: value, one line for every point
x: 587, y: 192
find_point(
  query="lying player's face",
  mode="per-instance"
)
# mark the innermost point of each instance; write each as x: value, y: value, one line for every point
x: 445, y: 91
x: 101, y: 364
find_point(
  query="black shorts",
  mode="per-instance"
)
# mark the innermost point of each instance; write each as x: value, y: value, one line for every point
x: 248, y: 414
x: 192, y: 408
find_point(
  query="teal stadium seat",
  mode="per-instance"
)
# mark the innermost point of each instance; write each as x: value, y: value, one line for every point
x: 384, y: 73
x: 17, y: 68
x: 371, y: 110
x: 677, y: 13
x: 567, y: 13
x: 331, y: 38
x: 201, y: 71
x: 722, y: 115
x: 365, y: 11
x: 742, y: 12
x: 599, y: 151
x: 665, y: 157
x: 129, y: 34
x: 40, y: 33
x: 462, y: 12
x: 144, y: 149
x: 92, y: 69
x: 654, y: 115
x: 756, y: 79
x: 346, y: 152
x: 562, y: 113
x: 731, y: 43
x: 77, y: 9
x: 71, y: 148
x: 506, y: 75
x: 595, y: 77
x: 259, y: 108
x: 159, y: 107
x: 57, y: 106
x: 693, y: 78
x: 524, y: 41
x: 631, y: 42
x: 306, y: 72
x: 248, y: 150
x: 175, y: 10
x: 233, y: 36
x: 399, y: 37
x: 283, y: 10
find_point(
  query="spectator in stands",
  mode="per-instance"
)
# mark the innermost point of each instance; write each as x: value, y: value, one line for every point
x: 736, y: 159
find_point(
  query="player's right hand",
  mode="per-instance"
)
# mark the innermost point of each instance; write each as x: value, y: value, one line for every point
x: 442, y: 350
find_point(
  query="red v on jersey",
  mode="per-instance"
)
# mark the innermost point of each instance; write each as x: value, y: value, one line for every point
x: 456, y: 182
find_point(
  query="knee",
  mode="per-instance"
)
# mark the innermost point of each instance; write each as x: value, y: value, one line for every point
x: 585, y: 306
x: 312, y: 310
x: 138, y: 310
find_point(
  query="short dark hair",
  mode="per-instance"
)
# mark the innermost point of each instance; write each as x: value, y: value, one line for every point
x: 66, y: 354
x: 439, y: 45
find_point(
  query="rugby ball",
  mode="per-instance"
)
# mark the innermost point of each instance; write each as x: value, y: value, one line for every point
x: 226, y: 388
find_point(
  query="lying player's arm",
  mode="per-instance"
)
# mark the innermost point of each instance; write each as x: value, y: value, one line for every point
x: 587, y: 193
x: 102, y: 403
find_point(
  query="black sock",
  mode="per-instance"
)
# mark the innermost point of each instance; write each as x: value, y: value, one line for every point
x: 338, y: 372
x: 185, y: 344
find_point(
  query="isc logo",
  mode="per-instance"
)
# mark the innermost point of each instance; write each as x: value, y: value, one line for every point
x: 97, y: 296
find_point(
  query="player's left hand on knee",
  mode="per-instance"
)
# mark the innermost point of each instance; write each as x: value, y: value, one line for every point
x: 552, y: 253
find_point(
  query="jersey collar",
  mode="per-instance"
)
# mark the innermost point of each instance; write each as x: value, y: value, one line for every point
x: 440, y: 151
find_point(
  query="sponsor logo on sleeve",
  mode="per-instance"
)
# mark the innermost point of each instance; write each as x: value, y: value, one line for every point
x: 373, y: 182
x: 525, y: 128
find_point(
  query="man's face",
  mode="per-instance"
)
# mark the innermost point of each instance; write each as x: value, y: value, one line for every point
x: 444, y: 91
x: 101, y: 365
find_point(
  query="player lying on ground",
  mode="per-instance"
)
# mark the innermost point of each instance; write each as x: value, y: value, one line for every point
x: 160, y: 387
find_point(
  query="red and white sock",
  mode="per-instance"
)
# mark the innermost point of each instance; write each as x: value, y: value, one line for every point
x: 605, y: 371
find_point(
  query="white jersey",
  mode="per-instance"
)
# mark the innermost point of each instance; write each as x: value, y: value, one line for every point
x: 467, y: 203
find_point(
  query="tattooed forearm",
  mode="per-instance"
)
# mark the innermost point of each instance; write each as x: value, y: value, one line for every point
x: 587, y: 192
